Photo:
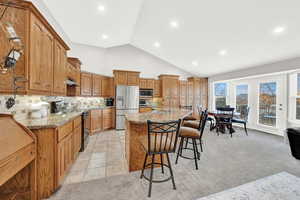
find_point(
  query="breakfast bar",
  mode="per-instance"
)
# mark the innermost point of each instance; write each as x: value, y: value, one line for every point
x: 136, y: 126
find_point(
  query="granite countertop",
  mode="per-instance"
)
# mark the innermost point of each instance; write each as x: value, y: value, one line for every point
x: 56, y: 120
x: 159, y: 115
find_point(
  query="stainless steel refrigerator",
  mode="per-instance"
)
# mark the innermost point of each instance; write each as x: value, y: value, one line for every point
x: 127, y: 101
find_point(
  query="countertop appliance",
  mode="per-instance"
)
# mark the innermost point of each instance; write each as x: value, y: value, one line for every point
x: 127, y: 101
x: 85, y: 131
x: 146, y: 93
x: 109, y: 101
x: 56, y: 107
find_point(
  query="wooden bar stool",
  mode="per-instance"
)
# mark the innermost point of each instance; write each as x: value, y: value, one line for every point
x: 186, y: 133
x: 161, y: 140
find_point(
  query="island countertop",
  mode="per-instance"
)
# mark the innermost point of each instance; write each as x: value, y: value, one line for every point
x: 160, y: 115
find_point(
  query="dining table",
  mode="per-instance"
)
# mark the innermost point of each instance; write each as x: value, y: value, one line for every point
x: 217, y: 114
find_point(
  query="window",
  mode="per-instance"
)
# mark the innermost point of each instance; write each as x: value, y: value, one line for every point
x: 220, y: 94
x: 242, y: 100
x: 267, y: 103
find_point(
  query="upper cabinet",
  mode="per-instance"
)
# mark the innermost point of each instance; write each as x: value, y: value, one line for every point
x: 198, y: 93
x: 170, y: 90
x: 59, y: 70
x: 130, y: 78
x: 146, y: 83
x: 97, y: 85
x: 73, y: 72
x: 86, y: 84
x: 42, y: 65
x: 108, y: 89
x: 157, y: 88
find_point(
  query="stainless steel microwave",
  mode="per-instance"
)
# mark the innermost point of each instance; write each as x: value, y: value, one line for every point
x: 146, y: 93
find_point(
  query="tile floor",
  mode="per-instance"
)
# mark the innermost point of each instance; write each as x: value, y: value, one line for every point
x: 103, y: 157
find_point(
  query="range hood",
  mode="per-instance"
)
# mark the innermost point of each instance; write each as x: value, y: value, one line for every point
x: 70, y: 82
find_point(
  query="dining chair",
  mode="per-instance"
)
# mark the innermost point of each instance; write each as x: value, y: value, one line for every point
x: 243, y: 121
x: 160, y: 141
x: 195, y: 122
x: 186, y: 133
x: 224, y: 119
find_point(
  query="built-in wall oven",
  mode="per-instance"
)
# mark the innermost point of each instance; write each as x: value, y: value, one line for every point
x: 146, y: 93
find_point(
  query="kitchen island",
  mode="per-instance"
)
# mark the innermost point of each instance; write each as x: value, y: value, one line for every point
x: 136, y: 126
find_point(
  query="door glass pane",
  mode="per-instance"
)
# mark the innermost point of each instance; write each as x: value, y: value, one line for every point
x: 267, y: 104
x: 242, y: 100
x: 298, y: 108
x: 220, y: 94
x: 298, y: 84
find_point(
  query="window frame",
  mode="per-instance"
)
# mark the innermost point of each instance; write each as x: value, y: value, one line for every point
x: 226, y: 91
x: 293, y: 96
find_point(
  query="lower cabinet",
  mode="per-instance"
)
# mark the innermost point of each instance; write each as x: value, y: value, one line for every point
x: 101, y: 119
x: 58, y: 149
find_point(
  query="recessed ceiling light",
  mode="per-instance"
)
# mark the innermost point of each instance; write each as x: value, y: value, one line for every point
x: 104, y: 36
x: 195, y: 63
x: 174, y: 24
x: 101, y: 8
x: 223, y: 52
x: 156, y: 44
x: 278, y: 30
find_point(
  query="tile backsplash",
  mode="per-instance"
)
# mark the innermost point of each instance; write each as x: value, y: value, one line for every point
x: 23, y: 103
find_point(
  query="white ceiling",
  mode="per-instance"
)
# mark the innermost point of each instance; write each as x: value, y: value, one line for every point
x: 244, y: 28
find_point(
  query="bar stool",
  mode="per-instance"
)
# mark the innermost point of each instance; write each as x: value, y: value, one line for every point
x: 186, y: 133
x: 161, y: 140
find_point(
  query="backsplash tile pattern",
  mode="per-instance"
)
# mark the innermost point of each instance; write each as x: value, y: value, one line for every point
x: 23, y: 102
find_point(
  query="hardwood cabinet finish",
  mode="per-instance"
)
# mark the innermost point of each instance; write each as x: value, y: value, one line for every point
x: 199, y: 93
x: 126, y: 77
x: 133, y: 78
x: 108, y: 118
x: 86, y: 84
x: 37, y: 64
x: 107, y: 86
x: 147, y: 83
x: 60, y: 64
x: 97, y: 79
x: 73, y: 73
x: 17, y: 161
x: 170, y: 90
x: 96, y: 121
x: 57, y: 151
x: 183, y: 93
x: 157, y: 88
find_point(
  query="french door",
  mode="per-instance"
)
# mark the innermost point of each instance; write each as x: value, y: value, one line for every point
x: 271, y: 104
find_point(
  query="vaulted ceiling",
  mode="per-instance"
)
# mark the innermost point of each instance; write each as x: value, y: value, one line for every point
x: 204, y: 37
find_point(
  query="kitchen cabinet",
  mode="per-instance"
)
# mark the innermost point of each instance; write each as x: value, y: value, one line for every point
x: 170, y: 90
x: 86, y: 84
x: 131, y: 78
x: 96, y: 121
x: 37, y: 68
x: 183, y: 93
x: 157, y: 88
x: 198, y: 94
x: 60, y: 64
x: 147, y: 83
x: 97, y: 79
x: 101, y: 119
x: 107, y: 84
x: 57, y: 151
x: 41, y: 57
x: 74, y: 74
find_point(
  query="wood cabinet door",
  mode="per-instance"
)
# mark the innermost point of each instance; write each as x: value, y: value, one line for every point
x: 64, y: 157
x: 133, y: 78
x: 150, y: 84
x: 143, y: 83
x: 183, y: 93
x: 97, y: 85
x: 157, y: 88
x: 96, y: 120
x: 86, y: 84
x: 111, y: 91
x: 121, y: 78
x: 76, y: 142
x: 41, y: 57
x: 105, y: 87
x: 190, y: 93
x: 36, y: 42
x: 59, y: 86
